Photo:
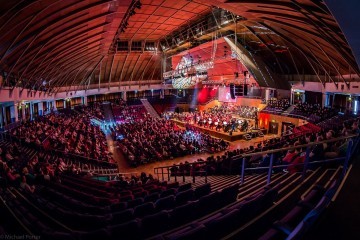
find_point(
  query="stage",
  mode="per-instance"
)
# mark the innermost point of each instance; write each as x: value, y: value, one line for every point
x: 221, y: 134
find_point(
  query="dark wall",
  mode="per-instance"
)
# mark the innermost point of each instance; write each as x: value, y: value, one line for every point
x: 313, y: 97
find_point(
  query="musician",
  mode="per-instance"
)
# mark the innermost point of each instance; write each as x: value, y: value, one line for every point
x: 218, y: 126
x: 233, y: 125
x: 211, y: 123
x: 256, y: 122
x: 199, y: 122
x: 244, y: 126
x: 205, y: 123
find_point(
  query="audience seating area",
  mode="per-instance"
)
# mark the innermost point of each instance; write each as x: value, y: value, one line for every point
x: 70, y: 132
x: 55, y: 195
x: 87, y: 208
x: 127, y: 114
x: 277, y: 105
x: 313, y: 112
x: 74, y: 207
x: 152, y: 139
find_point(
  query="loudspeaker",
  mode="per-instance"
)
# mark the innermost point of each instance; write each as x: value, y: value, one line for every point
x: 232, y: 90
x: 245, y: 73
x: 245, y: 89
x: 239, y: 90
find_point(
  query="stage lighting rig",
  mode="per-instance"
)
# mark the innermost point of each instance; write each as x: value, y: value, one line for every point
x: 125, y: 22
x: 138, y: 5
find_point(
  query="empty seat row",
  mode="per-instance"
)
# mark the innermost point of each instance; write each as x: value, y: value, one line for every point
x: 75, y: 212
x: 218, y: 224
x: 124, y: 225
x: 296, y: 222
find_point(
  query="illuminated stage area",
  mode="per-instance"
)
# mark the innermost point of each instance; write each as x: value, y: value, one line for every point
x: 237, y: 135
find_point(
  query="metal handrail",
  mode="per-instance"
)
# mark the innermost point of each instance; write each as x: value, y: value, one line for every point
x: 270, y: 151
x: 270, y: 167
x: 297, y: 164
x: 182, y: 174
x: 295, y: 147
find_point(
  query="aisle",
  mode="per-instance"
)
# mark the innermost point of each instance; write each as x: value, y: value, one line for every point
x: 117, y: 155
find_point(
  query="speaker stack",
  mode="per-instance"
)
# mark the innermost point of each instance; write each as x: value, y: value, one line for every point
x: 232, y: 91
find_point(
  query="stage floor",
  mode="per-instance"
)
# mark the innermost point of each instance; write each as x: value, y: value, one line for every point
x: 219, y: 134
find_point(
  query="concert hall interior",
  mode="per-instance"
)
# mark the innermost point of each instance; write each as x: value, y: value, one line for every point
x: 179, y: 119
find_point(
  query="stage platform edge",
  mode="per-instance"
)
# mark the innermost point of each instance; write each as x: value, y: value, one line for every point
x: 226, y: 136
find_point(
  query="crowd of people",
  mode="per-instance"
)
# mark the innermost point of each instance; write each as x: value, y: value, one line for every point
x: 94, y: 110
x: 314, y: 112
x: 127, y: 114
x: 152, y: 139
x: 143, y: 138
x: 225, y: 164
x: 276, y: 105
x: 25, y: 171
x: 71, y: 133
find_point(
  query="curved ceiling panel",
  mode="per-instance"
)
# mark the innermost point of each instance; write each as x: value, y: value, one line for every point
x: 54, y: 40
x: 58, y: 43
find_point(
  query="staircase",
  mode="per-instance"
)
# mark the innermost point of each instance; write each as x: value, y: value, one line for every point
x: 108, y: 113
x: 149, y: 108
x: 247, y: 137
x: 260, y: 134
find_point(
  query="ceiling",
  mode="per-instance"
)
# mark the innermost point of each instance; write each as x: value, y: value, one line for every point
x: 50, y: 43
x: 157, y: 18
x: 314, y: 39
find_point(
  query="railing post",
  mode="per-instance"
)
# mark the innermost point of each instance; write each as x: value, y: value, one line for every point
x: 242, y: 171
x: 347, y: 159
x: 162, y: 173
x: 205, y: 176
x: 355, y: 144
x: 168, y: 171
x: 183, y: 173
x: 176, y: 176
x: 270, y: 169
x: 306, y: 162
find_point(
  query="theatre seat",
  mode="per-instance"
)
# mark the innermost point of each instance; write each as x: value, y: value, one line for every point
x: 155, y: 223
x: 152, y: 197
x: 123, y: 216
x: 128, y: 230
x: 184, y: 187
x: 135, y: 202
x: 194, y: 233
x: 184, y: 197
x: 165, y: 203
x: 144, y: 209
x: 184, y: 213
x: 168, y: 192
x: 202, y: 190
